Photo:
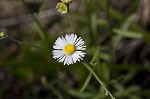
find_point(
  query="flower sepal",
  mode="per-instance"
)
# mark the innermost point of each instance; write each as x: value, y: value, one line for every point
x: 66, y: 1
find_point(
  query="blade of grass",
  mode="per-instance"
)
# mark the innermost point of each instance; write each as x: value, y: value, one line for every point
x: 127, y: 33
x: 86, y: 82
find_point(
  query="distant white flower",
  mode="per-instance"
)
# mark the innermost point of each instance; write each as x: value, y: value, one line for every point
x: 66, y: 1
x: 69, y: 49
x: 62, y: 8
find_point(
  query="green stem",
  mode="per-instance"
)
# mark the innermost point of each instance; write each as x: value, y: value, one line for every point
x: 70, y: 20
x: 25, y: 44
x: 97, y: 78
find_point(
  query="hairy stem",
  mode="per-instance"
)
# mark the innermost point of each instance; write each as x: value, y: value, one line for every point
x: 26, y: 44
x: 70, y: 20
x: 97, y: 78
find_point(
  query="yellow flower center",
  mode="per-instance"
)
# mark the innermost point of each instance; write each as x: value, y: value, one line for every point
x: 69, y: 49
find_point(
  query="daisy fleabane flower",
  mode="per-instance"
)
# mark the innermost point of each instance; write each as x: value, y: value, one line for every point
x: 69, y: 49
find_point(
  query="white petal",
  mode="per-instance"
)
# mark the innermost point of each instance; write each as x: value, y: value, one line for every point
x: 78, y: 55
x: 81, y: 48
x: 66, y: 62
x: 74, y: 58
x: 64, y: 40
x: 57, y: 47
x: 74, y: 38
x: 71, y: 38
x: 57, y: 53
x: 61, y: 59
x: 80, y: 42
x: 77, y: 40
x: 59, y: 42
x: 70, y: 59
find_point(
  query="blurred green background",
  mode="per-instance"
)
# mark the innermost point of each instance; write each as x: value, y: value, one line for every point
x: 117, y: 35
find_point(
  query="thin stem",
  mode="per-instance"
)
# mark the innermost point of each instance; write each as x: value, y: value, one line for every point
x: 70, y: 20
x: 26, y: 44
x: 97, y: 78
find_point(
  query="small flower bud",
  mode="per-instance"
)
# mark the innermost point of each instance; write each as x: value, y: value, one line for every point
x: 62, y: 8
x: 2, y: 35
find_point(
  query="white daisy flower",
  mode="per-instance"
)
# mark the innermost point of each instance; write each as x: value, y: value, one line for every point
x: 69, y: 49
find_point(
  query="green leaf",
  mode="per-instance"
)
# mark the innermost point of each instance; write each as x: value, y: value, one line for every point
x: 86, y: 82
x: 127, y: 22
x: 75, y: 93
x: 95, y: 56
x: 128, y: 34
